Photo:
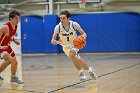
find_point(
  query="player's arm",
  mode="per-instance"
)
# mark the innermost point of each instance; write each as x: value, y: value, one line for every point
x: 3, y: 31
x: 54, y: 36
x: 78, y: 28
x: 16, y: 41
x: 54, y: 41
x: 82, y: 32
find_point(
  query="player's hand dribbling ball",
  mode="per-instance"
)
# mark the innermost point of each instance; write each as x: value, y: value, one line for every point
x: 79, y: 42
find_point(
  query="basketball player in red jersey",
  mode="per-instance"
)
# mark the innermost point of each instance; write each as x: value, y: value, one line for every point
x: 7, y: 32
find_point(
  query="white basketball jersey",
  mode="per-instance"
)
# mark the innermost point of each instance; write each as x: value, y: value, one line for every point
x: 67, y: 37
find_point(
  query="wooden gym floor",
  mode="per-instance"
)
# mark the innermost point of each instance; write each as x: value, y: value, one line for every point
x: 117, y: 73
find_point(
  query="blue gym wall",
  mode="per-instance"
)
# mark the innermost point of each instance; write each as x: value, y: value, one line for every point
x: 32, y: 34
x: 107, y: 32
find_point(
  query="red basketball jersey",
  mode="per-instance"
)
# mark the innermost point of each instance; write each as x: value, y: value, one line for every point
x: 7, y: 39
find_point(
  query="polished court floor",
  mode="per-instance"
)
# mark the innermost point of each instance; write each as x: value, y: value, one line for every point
x: 117, y: 73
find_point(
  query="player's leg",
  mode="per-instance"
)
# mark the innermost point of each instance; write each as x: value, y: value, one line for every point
x: 14, y: 64
x: 86, y: 67
x: 82, y: 64
x: 72, y: 54
x: 74, y: 59
x: 7, y: 60
x: 14, y: 78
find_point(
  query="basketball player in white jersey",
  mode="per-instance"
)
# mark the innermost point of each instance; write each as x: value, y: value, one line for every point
x: 66, y: 30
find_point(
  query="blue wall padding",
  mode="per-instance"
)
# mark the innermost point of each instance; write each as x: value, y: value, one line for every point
x: 107, y: 32
x: 33, y: 29
x: 113, y: 32
x: 50, y: 21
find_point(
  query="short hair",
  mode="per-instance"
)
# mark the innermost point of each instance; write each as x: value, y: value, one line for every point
x: 67, y: 13
x: 13, y: 13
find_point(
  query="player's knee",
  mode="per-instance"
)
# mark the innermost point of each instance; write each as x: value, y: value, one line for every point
x: 71, y: 55
x: 78, y: 56
x: 8, y: 58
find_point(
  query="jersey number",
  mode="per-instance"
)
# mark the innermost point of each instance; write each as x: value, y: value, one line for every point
x: 68, y: 39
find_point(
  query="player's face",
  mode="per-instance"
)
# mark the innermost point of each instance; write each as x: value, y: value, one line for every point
x: 64, y: 19
x: 15, y: 20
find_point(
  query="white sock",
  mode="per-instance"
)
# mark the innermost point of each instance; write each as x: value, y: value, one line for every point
x: 89, y: 69
x: 80, y: 71
x: 13, y: 76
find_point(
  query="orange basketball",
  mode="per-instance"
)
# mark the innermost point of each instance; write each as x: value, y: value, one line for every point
x: 79, y: 42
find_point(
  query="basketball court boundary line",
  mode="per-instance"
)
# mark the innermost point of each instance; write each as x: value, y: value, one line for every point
x: 71, y: 85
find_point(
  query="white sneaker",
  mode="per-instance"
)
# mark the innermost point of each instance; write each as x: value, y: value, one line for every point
x: 16, y: 80
x: 1, y: 78
x: 82, y: 76
x: 92, y: 73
